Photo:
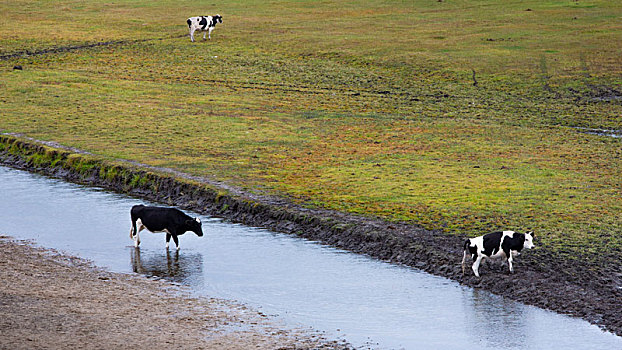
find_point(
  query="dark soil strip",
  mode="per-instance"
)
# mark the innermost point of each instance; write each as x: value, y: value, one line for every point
x: 70, y: 48
x: 60, y: 49
x: 592, y: 291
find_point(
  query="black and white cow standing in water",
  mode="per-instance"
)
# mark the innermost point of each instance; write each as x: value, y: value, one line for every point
x: 158, y: 219
x: 203, y: 23
x: 506, y: 244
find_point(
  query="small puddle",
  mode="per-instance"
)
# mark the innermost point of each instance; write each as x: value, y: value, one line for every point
x: 600, y: 132
x: 369, y: 303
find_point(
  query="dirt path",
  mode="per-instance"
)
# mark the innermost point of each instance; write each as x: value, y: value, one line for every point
x: 54, y: 301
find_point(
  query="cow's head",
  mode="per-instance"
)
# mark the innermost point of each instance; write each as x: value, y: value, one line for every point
x: 217, y: 18
x: 195, y: 226
x: 529, y: 236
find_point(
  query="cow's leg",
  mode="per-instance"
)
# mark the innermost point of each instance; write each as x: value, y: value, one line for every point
x: 464, y: 255
x: 508, y: 256
x: 210, y: 32
x: 176, y: 241
x: 134, y: 232
x: 192, y: 34
x: 510, y: 263
x: 133, y: 229
x: 168, y: 239
x: 204, y: 34
x: 475, y: 266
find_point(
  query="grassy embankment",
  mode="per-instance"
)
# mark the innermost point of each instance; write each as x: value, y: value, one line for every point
x: 362, y: 106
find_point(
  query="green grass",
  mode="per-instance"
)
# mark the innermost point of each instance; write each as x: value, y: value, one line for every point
x: 361, y: 106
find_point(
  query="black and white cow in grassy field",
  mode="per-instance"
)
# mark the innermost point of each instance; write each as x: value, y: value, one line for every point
x: 203, y: 23
x: 158, y: 219
x: 506, y: 244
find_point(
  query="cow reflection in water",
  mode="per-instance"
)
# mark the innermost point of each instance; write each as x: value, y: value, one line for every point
x: 185, y: 268
x: 495, y: 320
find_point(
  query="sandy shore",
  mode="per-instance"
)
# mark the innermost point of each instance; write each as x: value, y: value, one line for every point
x: 53, y: 301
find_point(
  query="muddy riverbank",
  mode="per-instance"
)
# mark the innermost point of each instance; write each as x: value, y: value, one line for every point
x: 590, y: 291
x: 50, y: 301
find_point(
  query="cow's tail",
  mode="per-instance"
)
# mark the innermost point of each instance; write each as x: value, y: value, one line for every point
x: 133, y: 218
x: 189, y: 22
x: 464, y: 254
x: 133, y: 229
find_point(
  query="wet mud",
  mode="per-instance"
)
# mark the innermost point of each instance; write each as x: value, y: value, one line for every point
x: 590, y: 290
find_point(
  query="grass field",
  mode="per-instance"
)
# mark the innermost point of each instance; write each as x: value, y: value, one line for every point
x: 456, y: 115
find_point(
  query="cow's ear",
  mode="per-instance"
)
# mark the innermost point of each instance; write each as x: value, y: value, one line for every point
x: 532, y: 234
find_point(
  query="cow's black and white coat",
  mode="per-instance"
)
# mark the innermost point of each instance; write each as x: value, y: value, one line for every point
x: 203, y: 23
x: 506, y: 244
x: 159, y: 219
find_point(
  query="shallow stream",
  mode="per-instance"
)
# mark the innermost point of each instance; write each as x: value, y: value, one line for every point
x: 366, y: 302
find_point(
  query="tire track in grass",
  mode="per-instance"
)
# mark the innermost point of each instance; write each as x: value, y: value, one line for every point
x: 385, y: 93
x: 70, y: 48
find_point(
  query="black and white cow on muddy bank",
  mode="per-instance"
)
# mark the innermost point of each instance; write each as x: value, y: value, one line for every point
x: 158, y: 219
x: 506, y: 244
x: 203, y: 23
